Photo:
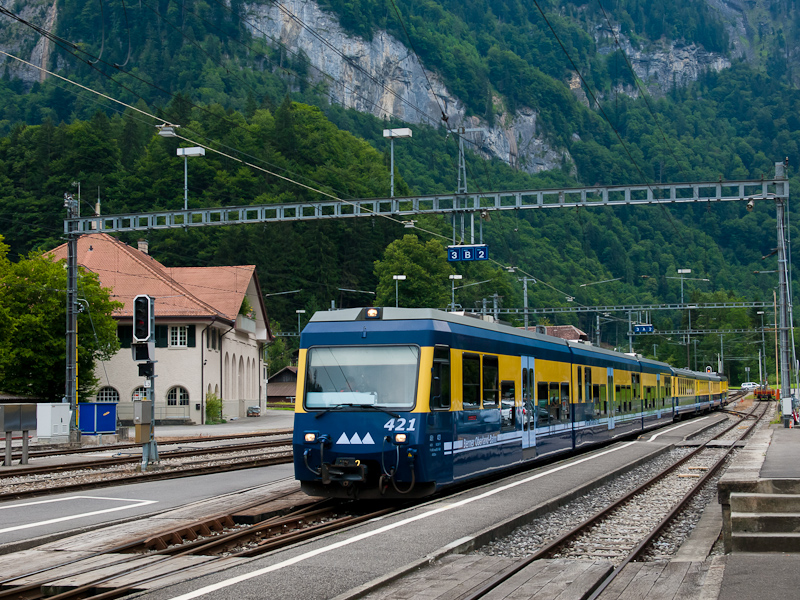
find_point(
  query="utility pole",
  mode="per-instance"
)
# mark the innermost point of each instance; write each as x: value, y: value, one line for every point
x: 71, y: 386
x: 785, y: 379
x: 525, y: 298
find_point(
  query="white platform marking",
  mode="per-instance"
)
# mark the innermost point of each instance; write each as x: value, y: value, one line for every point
x: 135, y: 504
x: 209, y: 589
x: 676, y: 427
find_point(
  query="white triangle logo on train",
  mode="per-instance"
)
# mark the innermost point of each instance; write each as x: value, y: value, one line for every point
x: 355, y: 440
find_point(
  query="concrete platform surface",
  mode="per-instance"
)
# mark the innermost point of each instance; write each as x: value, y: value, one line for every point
x: 760, y: 577
x: 783, y: 455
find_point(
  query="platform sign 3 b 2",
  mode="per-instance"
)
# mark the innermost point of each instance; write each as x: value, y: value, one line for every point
x: 462, y: 253
x: 643, y: 329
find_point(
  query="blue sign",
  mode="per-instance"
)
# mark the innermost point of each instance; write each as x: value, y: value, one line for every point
x: 462, y: 253
x: 643, y: 329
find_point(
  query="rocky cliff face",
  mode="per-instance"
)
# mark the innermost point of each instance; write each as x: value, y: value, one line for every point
x: 664, y: 64
x: 383, y: 78
x: 19, y: 41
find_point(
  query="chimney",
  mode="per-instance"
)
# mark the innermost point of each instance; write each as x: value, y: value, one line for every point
x: 142, y: 245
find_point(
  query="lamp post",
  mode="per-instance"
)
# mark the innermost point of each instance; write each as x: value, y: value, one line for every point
x: 405, y: 132
x: 299, y: 312
x: 186, y: 153
x: 453, y: 291
x: 397, y: 289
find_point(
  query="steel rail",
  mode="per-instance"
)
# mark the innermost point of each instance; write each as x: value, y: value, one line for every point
x: 122, y: 549
x: 131, y: 446
x: 109, y: 462
x: 552, y: 546
x: 151, y: 476
x: 669, y: 517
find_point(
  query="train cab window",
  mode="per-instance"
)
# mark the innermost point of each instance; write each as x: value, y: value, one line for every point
x: 491, y: 376
x: 508, y: 410
x: 471, y: 369
x: 440, y: 379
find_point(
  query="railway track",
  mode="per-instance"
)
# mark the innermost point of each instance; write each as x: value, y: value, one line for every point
x: 623, y: 531
x: 212, y: 542
x: 59, y: 451
x: 225, y: 460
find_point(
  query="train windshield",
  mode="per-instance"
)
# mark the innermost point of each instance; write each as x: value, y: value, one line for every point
x: 380, y: 376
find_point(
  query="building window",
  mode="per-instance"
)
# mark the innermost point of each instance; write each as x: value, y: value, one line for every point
x: 139, y: 394
x: 108, y: 394
x: 176, y: 396
x: 177, y: 336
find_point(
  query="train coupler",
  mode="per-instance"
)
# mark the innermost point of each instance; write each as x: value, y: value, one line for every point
x: 346, y: 471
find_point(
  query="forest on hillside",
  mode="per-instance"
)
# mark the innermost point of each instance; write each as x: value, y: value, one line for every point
x: 197, y: 65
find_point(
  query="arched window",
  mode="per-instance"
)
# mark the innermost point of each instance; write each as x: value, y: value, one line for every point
x: 108, y: 394
x: 139, y: 394
x: 178, y: 396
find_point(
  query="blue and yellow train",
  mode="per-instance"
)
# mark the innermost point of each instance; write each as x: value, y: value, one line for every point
x: 403, y: 402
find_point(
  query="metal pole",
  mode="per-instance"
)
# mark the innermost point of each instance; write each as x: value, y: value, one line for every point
x: 525, y: 299
x: 453, y: 295
x: 785, y: 381
x: 391, y: 145
x: 396, y: 294
x: 630, y: 332
x: 185, y: 182
x: 71, y: 391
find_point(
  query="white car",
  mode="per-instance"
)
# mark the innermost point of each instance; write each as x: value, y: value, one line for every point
x: 749, y: 385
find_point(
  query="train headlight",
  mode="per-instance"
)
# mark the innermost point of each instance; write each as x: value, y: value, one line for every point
x: 311, y: 438
x: 400, y: 438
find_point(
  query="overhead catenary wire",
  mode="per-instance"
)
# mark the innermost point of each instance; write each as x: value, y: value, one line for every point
x: 603, y: 112
x: 642, y: 91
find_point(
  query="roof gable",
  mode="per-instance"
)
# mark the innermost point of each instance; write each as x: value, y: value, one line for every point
x: 184, y: 292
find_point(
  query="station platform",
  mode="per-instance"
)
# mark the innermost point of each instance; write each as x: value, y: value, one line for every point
x: 760, y: 498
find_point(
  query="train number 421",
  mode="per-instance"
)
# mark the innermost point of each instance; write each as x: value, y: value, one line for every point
x: 400, y: 425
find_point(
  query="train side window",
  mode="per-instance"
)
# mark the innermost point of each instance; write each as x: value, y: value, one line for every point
x: 565, y: 401
x: 542, y: 396
x: 601, y: 400
x: 508, y: 409
x: 491, y: 377
x: 440, y: 383
x: 580, y: 384
x: 471, y: 381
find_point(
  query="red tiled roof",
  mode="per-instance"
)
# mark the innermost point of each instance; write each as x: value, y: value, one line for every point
x: 180, y: 291
x: 566, y: 332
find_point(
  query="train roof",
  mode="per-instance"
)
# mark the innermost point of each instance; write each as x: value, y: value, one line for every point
x: 698, y: 375
x: 585, y: 352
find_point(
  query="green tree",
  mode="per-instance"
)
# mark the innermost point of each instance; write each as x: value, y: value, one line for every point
x: 425, y: 267
x: 32, y: 347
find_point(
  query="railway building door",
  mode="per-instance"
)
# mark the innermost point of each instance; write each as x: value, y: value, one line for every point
x: 529, y: 408
x: 609, y: 400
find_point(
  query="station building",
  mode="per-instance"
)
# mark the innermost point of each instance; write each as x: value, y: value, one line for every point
x: 211, y: 326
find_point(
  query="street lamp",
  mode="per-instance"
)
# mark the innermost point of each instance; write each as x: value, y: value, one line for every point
x: 405, y: 132
x: 186, y: 153
x: 396, y: 289
x: 453, y: 290
x: 299, y: 312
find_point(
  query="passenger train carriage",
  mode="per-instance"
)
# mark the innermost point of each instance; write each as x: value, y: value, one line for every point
x: 403, y: 402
